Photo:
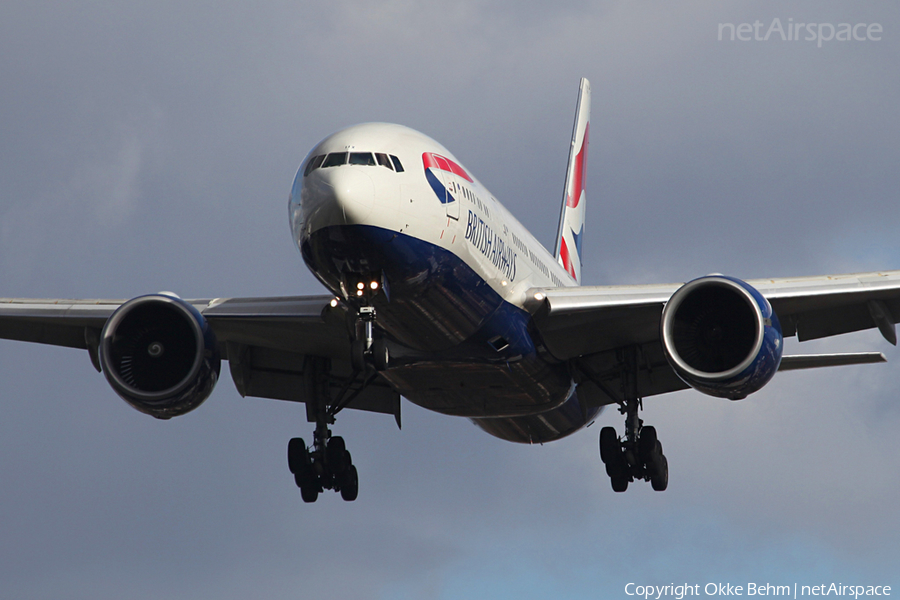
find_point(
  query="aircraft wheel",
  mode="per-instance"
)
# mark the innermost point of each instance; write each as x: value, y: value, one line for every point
x: 618, y: 471
x: 336, y: 456
x: 660, y: 480
x: 305, y: 475
x: 309, y: 493
x: 380, y: 355
x: 298, y: 455
x: 609, y: 445
x: 350, y: 484
x: 619, y: 482
x: 647, y: 444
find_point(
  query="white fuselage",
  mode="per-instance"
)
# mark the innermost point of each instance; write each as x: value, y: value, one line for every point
x: 382, y: 202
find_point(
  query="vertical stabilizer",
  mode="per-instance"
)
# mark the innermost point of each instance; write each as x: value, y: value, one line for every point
x: 571, y: 219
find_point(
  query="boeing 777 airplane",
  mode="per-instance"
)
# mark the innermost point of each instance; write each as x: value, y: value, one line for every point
x: 439, y: 295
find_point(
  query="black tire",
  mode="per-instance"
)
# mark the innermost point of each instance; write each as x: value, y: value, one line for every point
x: 298, y: 455
x: 380, y: 355
x: 303, y: 478
x: 619, y: 482
x: 647, y: 444
x: 350, y: 484
x: 609, y: 445
x: 309, y: 493
x: 613, y: 469
x: 358, y: 355
x: 660, y: 480
x: 336, y: 455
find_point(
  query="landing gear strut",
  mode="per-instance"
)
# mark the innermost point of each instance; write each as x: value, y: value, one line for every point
x: 327, y: 465
x: 638, y: 455
x: 366, y: 348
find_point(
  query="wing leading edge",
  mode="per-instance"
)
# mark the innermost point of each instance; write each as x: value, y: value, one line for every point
x: 591, y: 325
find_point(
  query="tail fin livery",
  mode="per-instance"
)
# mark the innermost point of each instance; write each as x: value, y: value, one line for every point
x: 571, y: 219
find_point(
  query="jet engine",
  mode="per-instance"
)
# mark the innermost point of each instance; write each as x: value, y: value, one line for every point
x: 160, y: 355
x: 721, y: 336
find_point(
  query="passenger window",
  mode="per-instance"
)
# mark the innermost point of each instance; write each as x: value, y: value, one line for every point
x: 362, y: 158
x: 397, y: 166
x: 314, y: 164
x: 384, y: 161
x: 335, y: 159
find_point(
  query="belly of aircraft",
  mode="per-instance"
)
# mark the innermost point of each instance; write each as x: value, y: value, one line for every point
x: 456, y: 346
x: 481, y: 390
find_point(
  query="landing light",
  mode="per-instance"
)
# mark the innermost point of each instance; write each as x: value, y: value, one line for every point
x: 539, y: 296
x: 360, y: 285
x: 504, y: 283
x: 334, y: 302
x: 359, y: 292
x: 374, y: 285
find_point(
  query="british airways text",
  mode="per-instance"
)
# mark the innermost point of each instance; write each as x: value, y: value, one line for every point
x: 491, y: 245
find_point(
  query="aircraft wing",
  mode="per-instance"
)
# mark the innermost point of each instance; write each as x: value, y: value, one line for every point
x: 592, y: 324
x: 265, y: 340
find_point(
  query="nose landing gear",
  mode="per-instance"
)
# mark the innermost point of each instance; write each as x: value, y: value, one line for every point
x: 366, y: 348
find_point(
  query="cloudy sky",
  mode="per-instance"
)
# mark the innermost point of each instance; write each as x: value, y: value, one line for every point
x: 151, y: 146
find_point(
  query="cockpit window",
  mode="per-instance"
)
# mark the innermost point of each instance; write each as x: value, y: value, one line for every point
x: 314, y: 164
x: 335, y: 159
x: 384, y: 161
x: 367, y: 159
x: 362, y: 158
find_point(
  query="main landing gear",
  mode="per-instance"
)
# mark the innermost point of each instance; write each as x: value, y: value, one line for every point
x: 327, y: 465
x: 639, y: 454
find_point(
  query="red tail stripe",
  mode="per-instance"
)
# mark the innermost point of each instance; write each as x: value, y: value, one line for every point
x: 566, y: 259
x: 578, y: 176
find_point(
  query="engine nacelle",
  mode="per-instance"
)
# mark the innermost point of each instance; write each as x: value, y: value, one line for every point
x: 160, y: 355
x: 721, y: 337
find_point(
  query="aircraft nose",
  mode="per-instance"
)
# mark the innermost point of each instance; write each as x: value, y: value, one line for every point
x: 351, y: 190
